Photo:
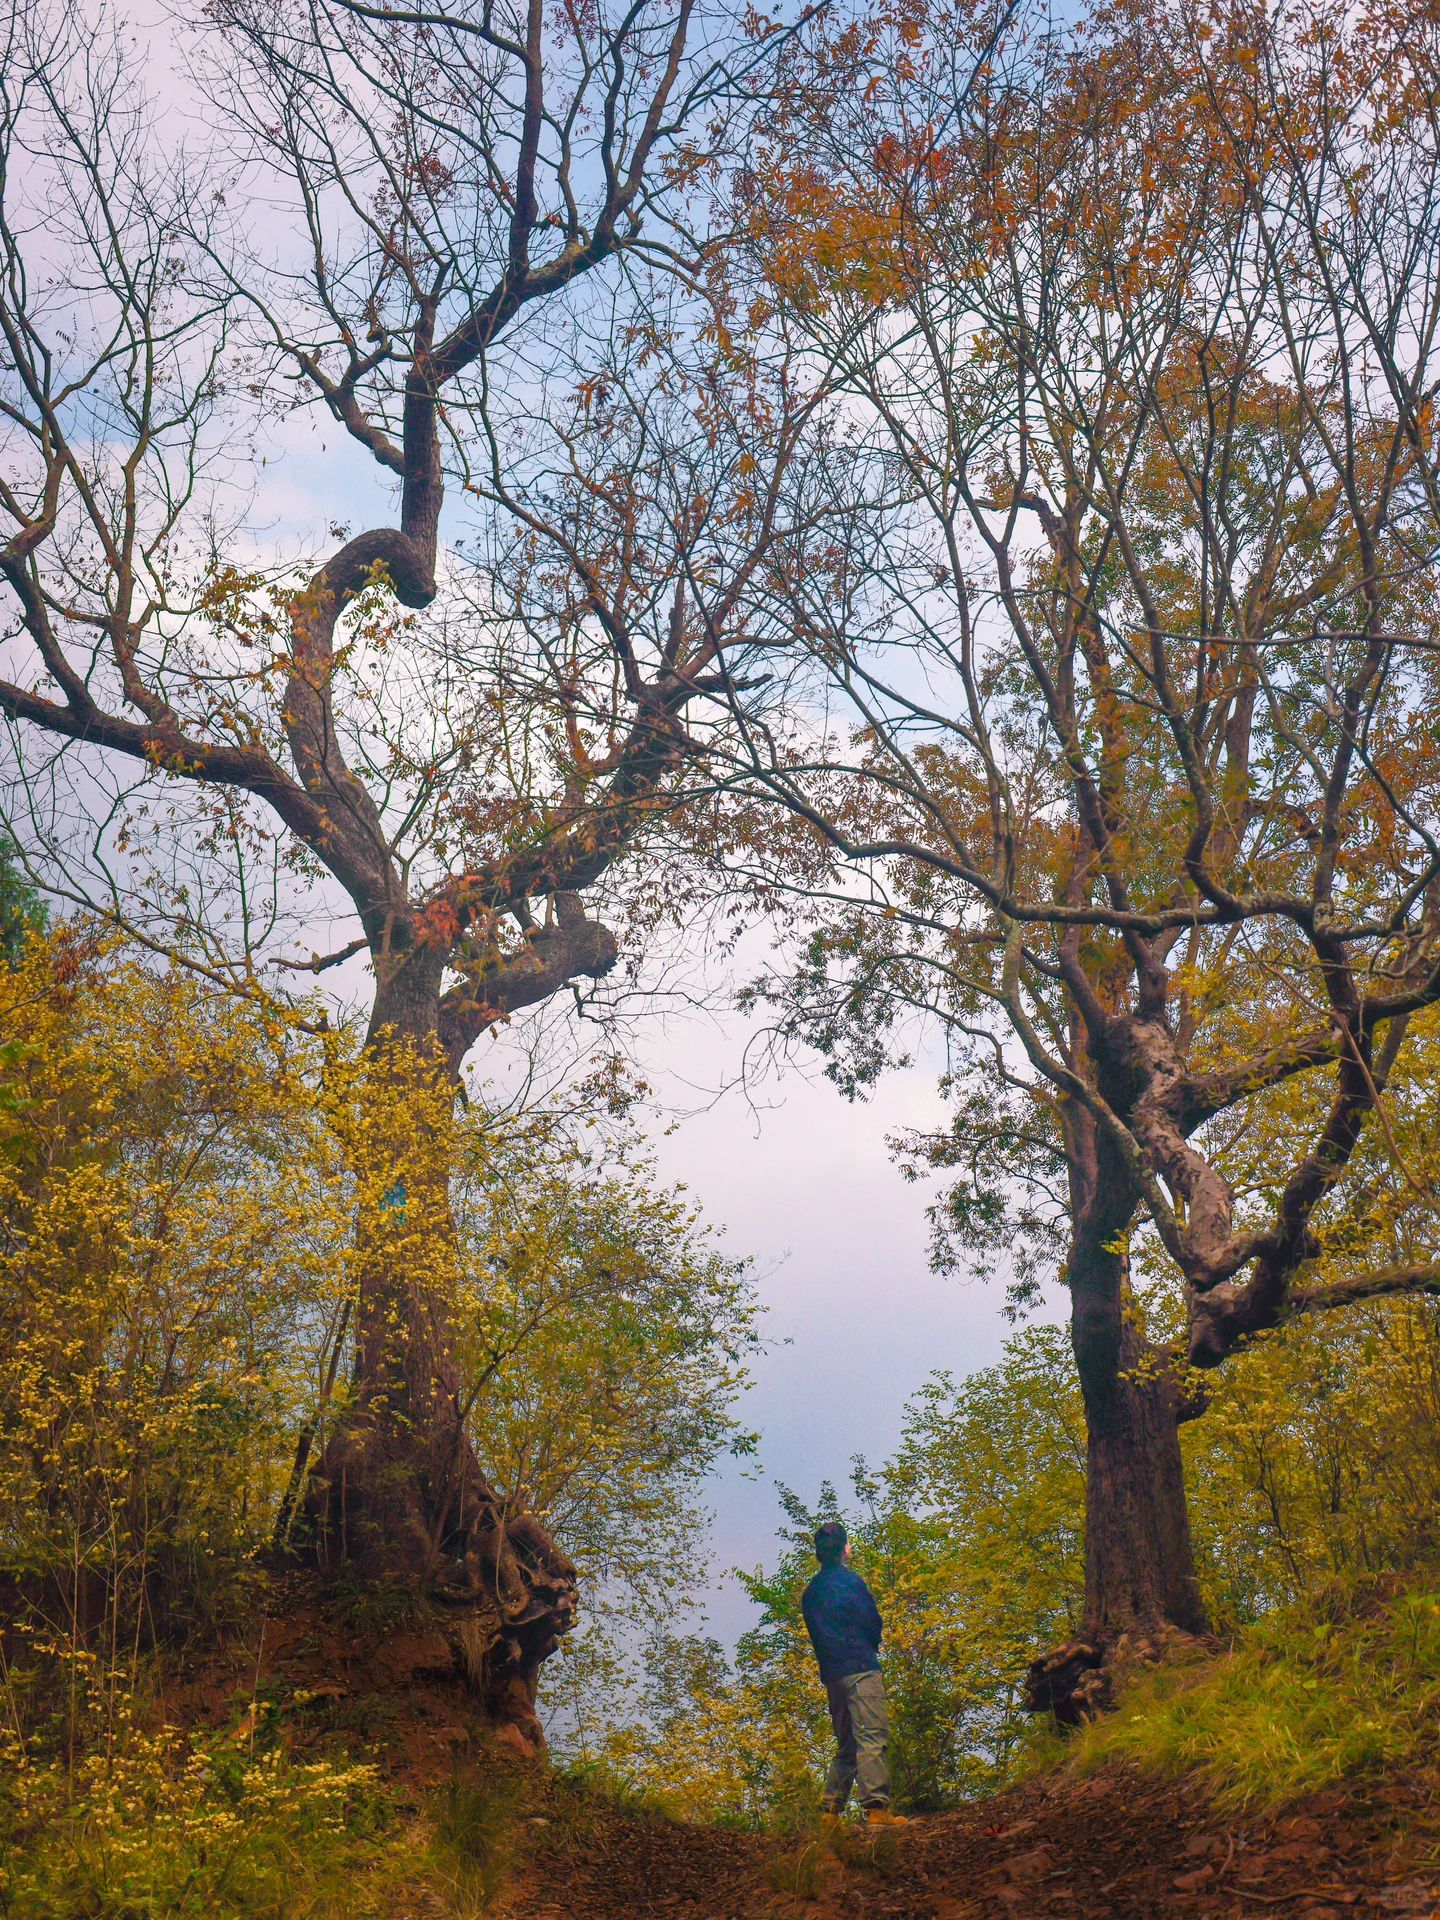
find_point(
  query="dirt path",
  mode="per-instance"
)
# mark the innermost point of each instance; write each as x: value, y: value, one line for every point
x: 1109, y: 1848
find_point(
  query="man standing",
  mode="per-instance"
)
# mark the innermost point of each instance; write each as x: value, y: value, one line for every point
x: 844, y: 1626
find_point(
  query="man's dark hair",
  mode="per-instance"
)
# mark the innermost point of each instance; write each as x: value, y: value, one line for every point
x: 830, y: 1543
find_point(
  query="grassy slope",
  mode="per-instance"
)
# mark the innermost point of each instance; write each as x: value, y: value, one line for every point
x: 1307, y: 1699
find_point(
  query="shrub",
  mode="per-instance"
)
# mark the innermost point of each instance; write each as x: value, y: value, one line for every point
x: 164, y: 1825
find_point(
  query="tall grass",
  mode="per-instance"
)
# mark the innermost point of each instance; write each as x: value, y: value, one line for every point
x: 475, y: 1838
x: 1301, y: 1703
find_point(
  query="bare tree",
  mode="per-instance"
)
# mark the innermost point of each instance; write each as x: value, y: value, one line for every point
x: 462, y: 234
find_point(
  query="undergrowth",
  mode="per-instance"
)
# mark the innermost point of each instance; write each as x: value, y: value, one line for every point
x: 799, y: 1871
x: 1301, y: 1703
x: 595, y: 1783
x: 151, y: 1823
x: 160, y: 1824
x: 802, y: 1868
x: 475, y: 1838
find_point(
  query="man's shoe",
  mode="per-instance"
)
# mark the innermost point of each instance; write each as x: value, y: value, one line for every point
x: 883, y: 1817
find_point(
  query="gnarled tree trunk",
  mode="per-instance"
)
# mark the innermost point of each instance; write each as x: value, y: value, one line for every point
x: 399, y: 1497
x: 1139, y: 1564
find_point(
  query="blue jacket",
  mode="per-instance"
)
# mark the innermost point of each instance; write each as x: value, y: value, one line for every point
x: 843, y: 1622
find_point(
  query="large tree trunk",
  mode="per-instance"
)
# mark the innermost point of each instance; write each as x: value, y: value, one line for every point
x: 1140, y: 1583
x: 398, y: 1497
x: 1139, y: 1564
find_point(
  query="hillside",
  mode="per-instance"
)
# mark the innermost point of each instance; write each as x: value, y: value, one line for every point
x: 329, y: 1774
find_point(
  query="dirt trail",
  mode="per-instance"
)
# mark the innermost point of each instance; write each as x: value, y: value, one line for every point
x: 1109, y: 1848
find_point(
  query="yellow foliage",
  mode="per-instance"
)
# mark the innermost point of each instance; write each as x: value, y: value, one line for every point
x: 193, y: 1192
x: 169, y: 1204
x: 159, y: 1823
x: 1320, y: 1459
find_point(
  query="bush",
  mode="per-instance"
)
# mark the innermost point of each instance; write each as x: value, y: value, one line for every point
x: 160, y: 1824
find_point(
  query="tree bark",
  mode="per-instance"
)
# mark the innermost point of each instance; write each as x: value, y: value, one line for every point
x: 1140, y: 1582
x: 1139, y: 1562
x: 399, y: 1497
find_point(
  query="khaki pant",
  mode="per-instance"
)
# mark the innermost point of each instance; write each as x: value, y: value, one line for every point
x: 862, y: 1735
